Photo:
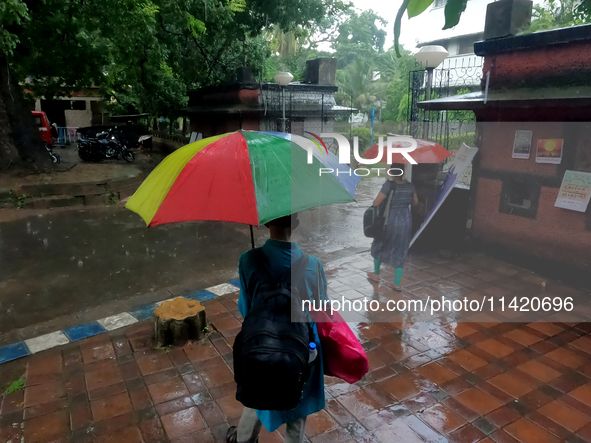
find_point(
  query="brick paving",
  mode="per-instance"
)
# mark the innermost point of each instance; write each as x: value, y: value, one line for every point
x: 439, y: 381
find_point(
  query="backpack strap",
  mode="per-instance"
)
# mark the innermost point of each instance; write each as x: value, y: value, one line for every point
x: 260, y: 262
x: 390, y: 196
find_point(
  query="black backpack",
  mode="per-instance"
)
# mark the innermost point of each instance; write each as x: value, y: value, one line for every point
x: 271, y: 351
x: 375, y: 217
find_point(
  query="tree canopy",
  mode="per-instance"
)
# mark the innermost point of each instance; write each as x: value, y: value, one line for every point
x: 144, y: 54
x: 554, y: 14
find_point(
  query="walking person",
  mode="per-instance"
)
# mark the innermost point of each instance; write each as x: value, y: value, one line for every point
x: 391, y: 247
x: 279, y: 253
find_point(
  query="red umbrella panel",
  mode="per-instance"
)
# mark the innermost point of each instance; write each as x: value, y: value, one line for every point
x: 426, y: 152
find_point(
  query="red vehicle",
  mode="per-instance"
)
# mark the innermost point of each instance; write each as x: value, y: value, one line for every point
x: 45, y: 132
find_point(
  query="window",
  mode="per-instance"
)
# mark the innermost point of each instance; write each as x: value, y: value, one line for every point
x: 466, y: 46
x: 78, y: 105
x: 520, y: 197
x: 37, y: 119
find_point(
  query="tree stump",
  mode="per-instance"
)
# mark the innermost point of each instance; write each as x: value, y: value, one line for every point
x: 178, y: 321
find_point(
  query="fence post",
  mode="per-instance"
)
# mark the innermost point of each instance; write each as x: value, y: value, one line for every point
x: 322, y: 115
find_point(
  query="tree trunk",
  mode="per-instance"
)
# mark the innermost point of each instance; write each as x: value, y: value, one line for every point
x: 178, y: 321
x: 20, y: 142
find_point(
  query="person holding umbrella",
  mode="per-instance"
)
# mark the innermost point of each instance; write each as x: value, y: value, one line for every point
x: 391, y: 247
x: 281, y: 254
x: 255, y: 178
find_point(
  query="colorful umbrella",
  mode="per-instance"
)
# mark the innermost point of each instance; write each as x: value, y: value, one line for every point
x: 244, y: 177
x: 426, y: 152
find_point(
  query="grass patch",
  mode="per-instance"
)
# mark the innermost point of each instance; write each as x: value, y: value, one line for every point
x: 15, y: 386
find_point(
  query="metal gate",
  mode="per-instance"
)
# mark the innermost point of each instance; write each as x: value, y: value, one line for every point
x: 448, y: 128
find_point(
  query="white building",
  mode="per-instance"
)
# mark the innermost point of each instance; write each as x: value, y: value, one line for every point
x: 459, y: 41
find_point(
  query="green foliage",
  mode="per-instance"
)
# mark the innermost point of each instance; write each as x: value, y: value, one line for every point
x: 19, y: 201
x: 453, y: 11
x: 554, y: 14
x: 144, y: 54
x: 397, y: 92
x: 12, y: 12
x: 237, y: 5
x: 359, y: 36
x: 403, y: 108
x: 417, y: 7
x: 455, y: 140
x: 374, y: 78
x: 364, y: 135
x: 358, y: 78
x: 15, y: 386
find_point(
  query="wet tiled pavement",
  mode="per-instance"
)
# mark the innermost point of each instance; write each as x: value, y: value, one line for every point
x: 437, y: 381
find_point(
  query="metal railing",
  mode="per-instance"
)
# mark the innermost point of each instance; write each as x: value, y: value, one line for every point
x: 448, y: 128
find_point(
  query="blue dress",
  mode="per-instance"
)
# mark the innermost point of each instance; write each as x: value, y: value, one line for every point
x: 280, y: 255
x: 392, y: 245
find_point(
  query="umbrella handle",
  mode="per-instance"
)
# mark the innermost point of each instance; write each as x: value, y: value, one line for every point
x: 251, y: 237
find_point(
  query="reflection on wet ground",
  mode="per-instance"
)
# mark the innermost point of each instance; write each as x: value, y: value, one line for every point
x: 335, y: 227
x: 439, y: 381
x: 56, y: 265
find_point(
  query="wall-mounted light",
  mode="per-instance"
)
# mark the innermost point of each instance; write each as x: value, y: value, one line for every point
x: 431, y: 56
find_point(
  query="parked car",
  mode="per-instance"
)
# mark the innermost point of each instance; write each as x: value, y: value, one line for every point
x: 45, y: 131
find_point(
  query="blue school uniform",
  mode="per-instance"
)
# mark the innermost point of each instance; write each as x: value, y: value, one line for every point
x: 280, y: 255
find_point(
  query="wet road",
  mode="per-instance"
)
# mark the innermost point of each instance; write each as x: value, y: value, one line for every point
x: 57, y: 265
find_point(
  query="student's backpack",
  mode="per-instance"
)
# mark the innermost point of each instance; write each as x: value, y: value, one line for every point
x: 271, y: 351
x: 376, y: 217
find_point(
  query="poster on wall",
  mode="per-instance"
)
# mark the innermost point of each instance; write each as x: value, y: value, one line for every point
x: 575, y: 191
x: 549, y: 151
x: 522, y: 144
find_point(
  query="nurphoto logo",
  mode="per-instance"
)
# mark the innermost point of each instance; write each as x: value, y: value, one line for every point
x: 395, y: 144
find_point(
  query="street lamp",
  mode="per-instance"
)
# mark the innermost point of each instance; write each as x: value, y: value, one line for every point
x: 430, y: 57
x: 283, y: 79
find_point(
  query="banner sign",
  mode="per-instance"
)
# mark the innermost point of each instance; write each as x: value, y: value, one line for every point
x: 575, y: 191
x: 458, y: 166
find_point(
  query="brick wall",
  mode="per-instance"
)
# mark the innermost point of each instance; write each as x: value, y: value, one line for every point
x: 550, y: 233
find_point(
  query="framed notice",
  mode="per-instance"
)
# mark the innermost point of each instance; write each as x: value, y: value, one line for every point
x: 549, y: 151
x: 522, y: 144
x: 575, y: 191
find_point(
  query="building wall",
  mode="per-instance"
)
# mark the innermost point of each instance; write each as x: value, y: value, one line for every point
x: 472, y: 21
x: 544, y: 66
x: 558, y: 235
x: 210, y: 125
x: 553, y: 65
x: 546, y: 232
x: 79, y: 119
x: 76, y: 118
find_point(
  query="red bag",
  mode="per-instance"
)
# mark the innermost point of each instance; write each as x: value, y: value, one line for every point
x: 344, y: 357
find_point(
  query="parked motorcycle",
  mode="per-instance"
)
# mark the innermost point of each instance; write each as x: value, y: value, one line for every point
x: 54, y: 157
x: 106, y: 145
